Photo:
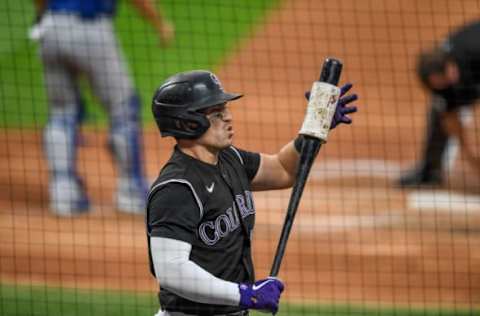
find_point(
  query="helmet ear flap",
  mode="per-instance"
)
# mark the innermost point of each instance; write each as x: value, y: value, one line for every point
x: 189, y: 125
x: 194, y: 125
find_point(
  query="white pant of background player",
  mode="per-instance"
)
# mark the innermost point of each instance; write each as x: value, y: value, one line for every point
x: 73, y: 47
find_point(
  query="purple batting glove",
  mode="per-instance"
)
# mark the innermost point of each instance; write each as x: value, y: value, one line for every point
x: 342, y: 110
x: 263, y: 295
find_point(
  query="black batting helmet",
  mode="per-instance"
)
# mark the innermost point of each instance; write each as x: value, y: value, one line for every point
x: 177, y: 103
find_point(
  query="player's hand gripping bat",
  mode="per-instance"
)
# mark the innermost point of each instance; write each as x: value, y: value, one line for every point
x: 320, y: 110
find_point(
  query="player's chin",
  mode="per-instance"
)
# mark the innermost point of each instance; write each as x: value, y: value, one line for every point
x: 228, y: 141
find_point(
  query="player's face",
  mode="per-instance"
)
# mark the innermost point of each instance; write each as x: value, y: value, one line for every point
x: 437, y: 81
x: 220, y: 134
x: 443, y: 80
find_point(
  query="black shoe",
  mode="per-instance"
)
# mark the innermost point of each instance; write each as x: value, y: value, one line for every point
x: 416, y: 178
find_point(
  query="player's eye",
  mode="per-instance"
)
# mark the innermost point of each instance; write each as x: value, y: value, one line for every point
x: 216, y: 115
x: 217, y: 112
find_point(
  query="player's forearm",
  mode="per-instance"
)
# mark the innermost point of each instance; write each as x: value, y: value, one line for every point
x: 468, y: 153
x: 277, y: 171
x: 183, y: 277
x: 288, y: 157
x: 453, y: 126
x: 148, y: 11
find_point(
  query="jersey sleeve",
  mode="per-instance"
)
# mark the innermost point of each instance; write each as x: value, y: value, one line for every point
x: 250, y: 160
x: 173, y: 213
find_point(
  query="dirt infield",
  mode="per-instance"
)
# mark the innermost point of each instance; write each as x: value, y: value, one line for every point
x: 357, y: 237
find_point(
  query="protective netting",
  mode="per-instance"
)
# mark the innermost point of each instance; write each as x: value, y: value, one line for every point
x: 79, y: 147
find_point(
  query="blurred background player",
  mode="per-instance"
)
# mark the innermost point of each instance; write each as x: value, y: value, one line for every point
x: 77, y: 39
x: 451, y: 73
x: 200, y: 213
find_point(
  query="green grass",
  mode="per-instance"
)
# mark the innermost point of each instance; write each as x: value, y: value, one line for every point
x: 357, y: 310
x: 21, y: 300
x: 206, y: 33
x: 38, y: 301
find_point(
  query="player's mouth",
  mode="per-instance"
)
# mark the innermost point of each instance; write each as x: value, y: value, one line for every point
x: 230, y: 131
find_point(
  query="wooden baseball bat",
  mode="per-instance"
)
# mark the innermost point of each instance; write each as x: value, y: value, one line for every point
x: 330, y: 73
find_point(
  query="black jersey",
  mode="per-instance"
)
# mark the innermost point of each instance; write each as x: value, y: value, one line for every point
x: 210, y: 207
x: 464, y: 47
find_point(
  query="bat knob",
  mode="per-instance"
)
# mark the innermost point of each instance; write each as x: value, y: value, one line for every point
x: 331, y: 71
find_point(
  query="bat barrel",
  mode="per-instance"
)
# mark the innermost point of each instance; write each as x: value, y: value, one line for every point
x: 330, y: 73
x: 310, y: 148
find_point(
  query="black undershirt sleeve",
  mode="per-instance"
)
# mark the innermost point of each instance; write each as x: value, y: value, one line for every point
x: 174, y: 213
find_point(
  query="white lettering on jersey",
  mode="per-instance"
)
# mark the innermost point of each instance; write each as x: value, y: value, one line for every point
x: 211, y: 232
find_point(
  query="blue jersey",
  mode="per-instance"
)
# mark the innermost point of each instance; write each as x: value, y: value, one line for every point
x: 83, y: 8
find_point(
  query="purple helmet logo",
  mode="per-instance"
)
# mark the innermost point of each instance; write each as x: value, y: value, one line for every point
x: 216, y: 81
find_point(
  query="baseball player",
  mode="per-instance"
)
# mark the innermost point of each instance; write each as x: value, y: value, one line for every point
x: 200, y: 211
x: 451, y: 73
x: 77, y: 40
